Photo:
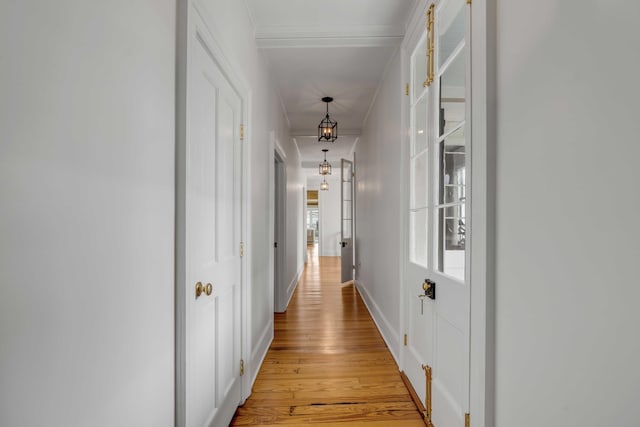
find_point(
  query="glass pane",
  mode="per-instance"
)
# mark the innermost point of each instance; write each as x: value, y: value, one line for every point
x: 346, y: 190
x: 418, y: 233
x: 451, y: 28
x: 451, y: 241
x: 346, y: 171
x: 346, y: 210
x: 452, y: 94
x: 420, y: 126
x: 419, y: 180
x: 453, y: 176
x: 346, y: 229
x: 419, y: 67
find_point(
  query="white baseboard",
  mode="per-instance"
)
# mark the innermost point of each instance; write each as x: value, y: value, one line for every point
x: 391, y: 337
x: 292, y: 286
x: 260, y: 352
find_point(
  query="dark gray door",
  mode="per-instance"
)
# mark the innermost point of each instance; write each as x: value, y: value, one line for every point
x: 346, y: 220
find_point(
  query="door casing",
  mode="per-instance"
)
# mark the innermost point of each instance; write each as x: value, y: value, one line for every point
x: 192, y: 21
x: 278, y: 190
x: 481, y: 211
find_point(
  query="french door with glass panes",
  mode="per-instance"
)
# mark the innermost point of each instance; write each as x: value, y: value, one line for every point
x: 436, y: 281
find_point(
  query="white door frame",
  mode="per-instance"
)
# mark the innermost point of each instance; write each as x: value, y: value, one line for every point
x: 192, y: 22
x: 482, y: 243
x: 482, y: 205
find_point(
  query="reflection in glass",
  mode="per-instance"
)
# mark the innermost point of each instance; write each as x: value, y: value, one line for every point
x: 452, y: 95
x: 420, y: 126
x: 419, y: 180
x: 451, y: 28
x: 453, y: 177
x: 346, y: 210
x: 452, y: 241
x: 346, y: 229
x: 419, y: 233
x: 346, y: 190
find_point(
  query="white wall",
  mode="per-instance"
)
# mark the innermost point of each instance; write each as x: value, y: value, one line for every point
x: 87, y: 210
x: 233, y: 30
x: 87, y: 219
x: 568, y: 240
x: 378, y: 207
x: 328, y: 212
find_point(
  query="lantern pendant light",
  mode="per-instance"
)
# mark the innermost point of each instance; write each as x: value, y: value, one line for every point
x: 324, y: 168
x: 327, y: 129
x: 324, y: 185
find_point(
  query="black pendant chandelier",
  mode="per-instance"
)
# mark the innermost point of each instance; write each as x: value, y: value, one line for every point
x: 324, y: 168
x: 324, y: 185
x: 327, y: 129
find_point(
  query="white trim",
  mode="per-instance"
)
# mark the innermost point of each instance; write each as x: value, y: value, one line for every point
x: 405, y: 150
x: 322, y: 31
x: 391, y: 337
x: 191, y: 20
x: 278, y: 148
x: 293, y: 285
x: 482, y: 343
x: 259, y: 353
x: 328, y: 42
x: 481, y: 206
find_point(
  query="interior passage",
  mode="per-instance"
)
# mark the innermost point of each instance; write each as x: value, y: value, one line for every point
x: 328, y: 364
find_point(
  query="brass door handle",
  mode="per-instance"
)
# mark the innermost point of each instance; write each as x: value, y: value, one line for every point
x: 199, y: 289
x: 429, y: 288
x: 208, y: 289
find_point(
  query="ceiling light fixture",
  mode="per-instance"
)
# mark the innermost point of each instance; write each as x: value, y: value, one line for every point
x: 325, y: 167
x: 327, y: 129
x: 324, y: 185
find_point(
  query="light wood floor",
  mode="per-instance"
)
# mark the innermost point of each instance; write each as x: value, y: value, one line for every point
x: 327, y: 364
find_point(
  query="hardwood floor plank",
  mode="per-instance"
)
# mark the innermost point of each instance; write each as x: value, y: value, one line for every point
x: 327, y: 364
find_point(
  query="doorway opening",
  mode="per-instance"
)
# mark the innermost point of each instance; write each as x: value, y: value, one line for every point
x: 312, y: 224
x: 279, y: 236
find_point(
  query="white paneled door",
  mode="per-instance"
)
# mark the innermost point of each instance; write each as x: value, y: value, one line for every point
x: 213, y: 226
x: 436, y: 288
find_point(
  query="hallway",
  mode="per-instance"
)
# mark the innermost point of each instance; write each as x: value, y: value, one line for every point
x: 327, y: 363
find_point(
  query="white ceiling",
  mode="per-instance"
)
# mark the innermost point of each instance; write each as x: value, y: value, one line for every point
x: 338, y: 48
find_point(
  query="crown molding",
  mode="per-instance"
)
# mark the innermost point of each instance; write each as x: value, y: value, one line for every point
x: 321, y: 36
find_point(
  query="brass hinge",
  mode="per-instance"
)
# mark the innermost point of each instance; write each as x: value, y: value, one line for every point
x: 406, y: 89
x: 467, y: 420
x: 241, y: 132
x: 241, y: 367
x: 241, y: 249
x: 405, y: 339
x: 427, y: 400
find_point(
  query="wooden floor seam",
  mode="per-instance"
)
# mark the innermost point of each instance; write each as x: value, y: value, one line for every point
x: 328, y: 363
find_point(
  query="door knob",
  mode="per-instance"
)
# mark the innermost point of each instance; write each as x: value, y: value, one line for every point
x: 429, y: 288
x: 199, y: 289
x: 208, y: 289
